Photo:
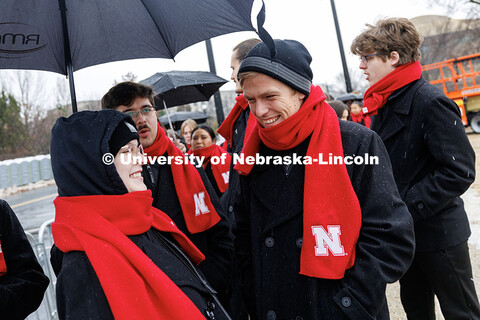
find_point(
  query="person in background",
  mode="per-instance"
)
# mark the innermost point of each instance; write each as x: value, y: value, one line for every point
x: 123, y: 258
x: 313, y: 241
x: 182, y: 191
x: 234, y: 129
x: 340, y: 108
x: 22, y: 281
x: 357, y: 114
x: 186, y: 131
x: 433, y: 165
x: 204, y: 145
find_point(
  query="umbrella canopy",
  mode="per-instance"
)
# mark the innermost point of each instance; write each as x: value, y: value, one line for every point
x: 177, y: 118
x: 181, y: 87
x: 350, y: 96
x: 63, y: 36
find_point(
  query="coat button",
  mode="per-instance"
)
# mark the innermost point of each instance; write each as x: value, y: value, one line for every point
x: 271, y: 315
x: 420, y: 206
x: 299, y: 242
x: 230, y: 208
x: 269, y: 242
x: 346, y: 302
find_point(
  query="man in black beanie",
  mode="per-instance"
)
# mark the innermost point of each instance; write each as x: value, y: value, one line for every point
x: 315, y: 238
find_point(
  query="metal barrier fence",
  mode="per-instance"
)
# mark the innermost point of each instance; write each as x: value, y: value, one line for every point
x: 41, y: 246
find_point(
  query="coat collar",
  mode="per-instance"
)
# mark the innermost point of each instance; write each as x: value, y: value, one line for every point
x: 396, y: 109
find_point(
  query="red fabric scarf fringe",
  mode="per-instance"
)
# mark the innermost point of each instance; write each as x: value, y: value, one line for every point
x: 188, y: 183
x: 329, y: 198
x: 134, y: 286
x: 220, y: 169
x: 376, y: 96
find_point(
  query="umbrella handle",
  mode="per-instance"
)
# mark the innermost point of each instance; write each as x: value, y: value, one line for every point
x: 169, y: 120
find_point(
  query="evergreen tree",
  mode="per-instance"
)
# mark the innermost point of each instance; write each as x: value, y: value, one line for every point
x: 13, y: 136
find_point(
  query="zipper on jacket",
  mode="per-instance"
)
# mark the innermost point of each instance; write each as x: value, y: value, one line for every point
x: 150, y: 174
x: 188, y: 263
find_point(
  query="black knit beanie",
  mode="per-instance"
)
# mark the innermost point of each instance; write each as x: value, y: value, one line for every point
x: 123, y: 134
x: 291, y: 64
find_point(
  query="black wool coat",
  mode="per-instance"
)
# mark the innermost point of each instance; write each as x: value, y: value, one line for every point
x: 215, y: 243
x: 80, y: 294
x: 23, y: 286
x: 228, y: 197
x: 432, y: 159
x: 270, y: 230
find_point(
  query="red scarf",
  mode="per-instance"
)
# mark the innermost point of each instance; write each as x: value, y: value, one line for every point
x: 198, y: 210
x: 329, y: 199
x: 376, y: 96
x: 134, y: 286
x: 3, y: 265
x: 220, y: 171
x: 226, y: 128
x: 359, y: 117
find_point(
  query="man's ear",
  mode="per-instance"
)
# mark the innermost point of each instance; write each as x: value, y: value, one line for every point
x: 394, y: 58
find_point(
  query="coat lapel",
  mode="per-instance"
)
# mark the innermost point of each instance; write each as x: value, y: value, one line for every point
x: 397, y: 107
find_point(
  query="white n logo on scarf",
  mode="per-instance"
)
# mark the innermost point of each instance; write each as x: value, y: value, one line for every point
x: 225, y: 176
x: 328, y: 241
x: 200, y: 206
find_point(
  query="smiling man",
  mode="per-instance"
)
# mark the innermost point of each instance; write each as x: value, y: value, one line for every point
x: 433, y: 165
x: 313, y: 241
x: 180, y: 190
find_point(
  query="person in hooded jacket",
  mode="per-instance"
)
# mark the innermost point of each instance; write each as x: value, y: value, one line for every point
x: 315, y: 239
x: 22, y: 281
x: 123, y: 258
x: 182, y: 191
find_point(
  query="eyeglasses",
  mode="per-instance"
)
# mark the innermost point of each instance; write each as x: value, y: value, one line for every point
x: 365, y: 58
x: 132, y: 149
x: 144, y: 112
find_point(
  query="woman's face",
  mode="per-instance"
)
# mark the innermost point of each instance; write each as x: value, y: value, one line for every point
x: 129, y: 168
x: 187, y: 134
x: 201, y: 139
x: 344, y: 115
x: 355, y: 108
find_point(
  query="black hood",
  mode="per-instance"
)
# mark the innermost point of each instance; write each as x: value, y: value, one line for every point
x: 77, y: 146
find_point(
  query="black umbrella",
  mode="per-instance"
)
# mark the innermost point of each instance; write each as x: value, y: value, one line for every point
x: 349, y: 96
x: 178, y: 117
x: 67, y: 35
x: 175, y: 88
x: 181, y: 87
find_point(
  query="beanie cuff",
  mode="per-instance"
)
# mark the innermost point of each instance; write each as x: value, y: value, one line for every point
x: 277, y: 71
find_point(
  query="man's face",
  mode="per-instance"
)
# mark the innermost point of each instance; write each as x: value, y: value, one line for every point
x: 146, y: 122
x: 375, y: 68
x: 271, y: 101
x: 235, y: 64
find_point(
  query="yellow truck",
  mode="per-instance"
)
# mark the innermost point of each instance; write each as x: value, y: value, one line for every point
x: 459, y: 79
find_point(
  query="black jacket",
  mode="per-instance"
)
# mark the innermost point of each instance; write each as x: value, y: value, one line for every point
x: 215, y: 243
x: 23, y: 286
x: 432, y: 159
x: 236, y: 147
x: 80, y: 295
x: 270, y: 230
x: 77, y: 146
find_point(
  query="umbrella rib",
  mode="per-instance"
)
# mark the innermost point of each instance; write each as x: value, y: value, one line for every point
x: 161, y: 34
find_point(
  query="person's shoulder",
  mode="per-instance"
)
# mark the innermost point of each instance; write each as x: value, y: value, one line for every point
x: 427, y: 91
x: 353, y: 129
